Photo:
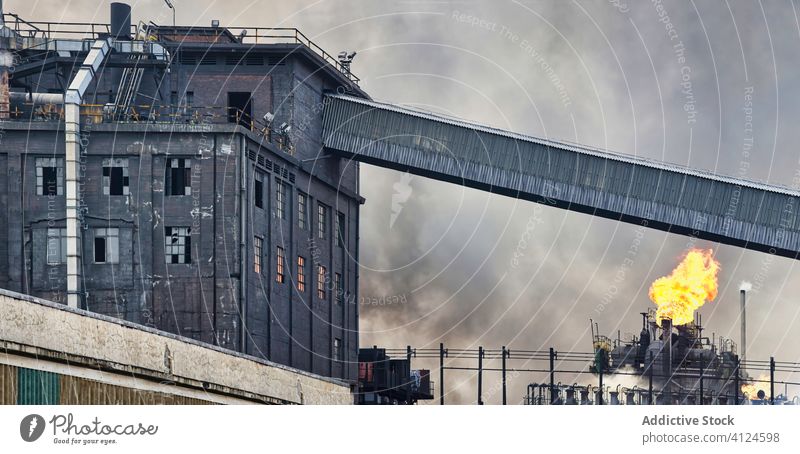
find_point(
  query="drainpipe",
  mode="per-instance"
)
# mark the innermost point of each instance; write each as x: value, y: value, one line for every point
x: 244, y: 209
x: 72, y: 121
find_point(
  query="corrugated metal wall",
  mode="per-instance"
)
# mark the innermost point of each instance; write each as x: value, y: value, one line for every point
x: 22, y: 386
x: 615, y: 186
x: 8, y: 384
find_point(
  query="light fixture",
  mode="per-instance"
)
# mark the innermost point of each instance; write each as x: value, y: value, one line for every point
x: 268, y: 117
x: 215, y: 23
x: 242, y: 34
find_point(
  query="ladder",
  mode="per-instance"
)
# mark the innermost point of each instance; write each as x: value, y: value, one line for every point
x: 128, y: 86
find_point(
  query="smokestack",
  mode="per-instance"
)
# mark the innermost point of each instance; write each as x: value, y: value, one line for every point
x: 743, y: 335
x: 666, y: 350
x: 121, y: 21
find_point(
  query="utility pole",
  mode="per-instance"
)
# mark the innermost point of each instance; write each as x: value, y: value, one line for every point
x: 409, y: 393
x: 441, y: 373
x: 505, y: 353
x: 480, y: 375
x: 552, y: 376
x: 772, y: 380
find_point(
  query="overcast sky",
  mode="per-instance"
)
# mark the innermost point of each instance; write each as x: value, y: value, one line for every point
x: 599, y: 72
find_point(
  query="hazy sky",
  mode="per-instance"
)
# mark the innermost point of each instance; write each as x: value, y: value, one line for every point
x: 604, y: 73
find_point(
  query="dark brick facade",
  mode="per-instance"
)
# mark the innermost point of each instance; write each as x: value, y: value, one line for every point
x: 220, y: 296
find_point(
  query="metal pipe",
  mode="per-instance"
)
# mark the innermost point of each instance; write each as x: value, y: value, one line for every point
x: 771, y: 380
x: 666, y: 349
x: 736, y: 382
x: 72, y: 120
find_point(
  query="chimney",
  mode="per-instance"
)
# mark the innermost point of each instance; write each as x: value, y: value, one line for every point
x: 121, y: 21
x: 666, y: 349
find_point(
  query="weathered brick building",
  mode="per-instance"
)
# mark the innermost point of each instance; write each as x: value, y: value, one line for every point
x: 204, y: 209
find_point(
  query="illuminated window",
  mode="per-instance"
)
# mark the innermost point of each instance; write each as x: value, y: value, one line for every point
x: 301, y: 274
x: 281, y: 264
x: 258, y: 249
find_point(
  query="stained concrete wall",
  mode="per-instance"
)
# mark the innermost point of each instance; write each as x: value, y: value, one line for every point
x: 53, y: 333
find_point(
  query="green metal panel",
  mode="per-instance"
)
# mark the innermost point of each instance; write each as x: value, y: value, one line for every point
x: 36, y: 387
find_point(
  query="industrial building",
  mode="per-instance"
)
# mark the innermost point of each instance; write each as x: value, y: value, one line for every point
x: 168, y: 176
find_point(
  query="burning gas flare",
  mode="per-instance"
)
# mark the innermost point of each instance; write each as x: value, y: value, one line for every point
x: 751, y: 389
x: 689, y: 286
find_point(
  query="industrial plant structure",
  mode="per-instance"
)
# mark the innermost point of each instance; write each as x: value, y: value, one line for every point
x: 203, y: 181
x: 167, y: 176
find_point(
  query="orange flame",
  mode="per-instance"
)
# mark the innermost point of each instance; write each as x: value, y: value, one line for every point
x: 689, y: 286
x: 751, y: 389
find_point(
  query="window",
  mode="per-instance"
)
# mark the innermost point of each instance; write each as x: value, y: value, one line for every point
x: 337, y: 349
x: 258, y: 189
x: 280, y: 198
x: 302, y: 210
x: 339, y: 229
x: 322, y: 220
x: 258, y: 249
x: 49, y: 176
x: 337, y: 288
x: 106, y: 245
x: 178, y: 244
x: 56, y: 246
x: 281, y: 264
x: 301, y: 274
x: 179, y: 176
x: 189, y: 98
x: 115, y: 177
x: 321, y: 273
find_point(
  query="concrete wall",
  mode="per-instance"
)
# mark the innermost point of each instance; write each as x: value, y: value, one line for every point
x: 52, y: 333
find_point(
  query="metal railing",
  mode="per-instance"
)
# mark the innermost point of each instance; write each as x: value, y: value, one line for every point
x: 154, y: 114
x: 246, y: 35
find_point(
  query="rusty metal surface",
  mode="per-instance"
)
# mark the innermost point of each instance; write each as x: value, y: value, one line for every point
x: 631, y: 189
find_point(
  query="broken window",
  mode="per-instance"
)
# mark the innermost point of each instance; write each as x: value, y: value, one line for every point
x: 49, y: 176
x: 106, y: 245
x: 179, y: 176
x: 178, y: 243
x: 115, y: 177
x: 258, y: 189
